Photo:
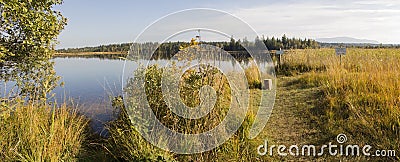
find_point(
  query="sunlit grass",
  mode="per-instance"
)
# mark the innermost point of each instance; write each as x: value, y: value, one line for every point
x: 31, y: 132
x: 361, y: 93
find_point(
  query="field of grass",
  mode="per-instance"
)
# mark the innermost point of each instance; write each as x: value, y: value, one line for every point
x: 318, y: 97
x: 361, y: 94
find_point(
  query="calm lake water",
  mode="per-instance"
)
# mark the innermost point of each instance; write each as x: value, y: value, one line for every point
x: 90, y: 84
x: 88, y: 80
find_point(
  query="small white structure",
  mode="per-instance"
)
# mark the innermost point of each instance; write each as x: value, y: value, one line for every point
x: 267, y: 84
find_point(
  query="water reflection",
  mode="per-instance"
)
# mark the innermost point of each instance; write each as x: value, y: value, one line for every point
x: 89, y: 84
x: 27, y: 79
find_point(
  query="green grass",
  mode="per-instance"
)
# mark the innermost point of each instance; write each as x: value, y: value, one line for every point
x: 32, y: 132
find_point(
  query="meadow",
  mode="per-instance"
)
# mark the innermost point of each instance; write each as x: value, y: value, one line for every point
x: 361, y: 93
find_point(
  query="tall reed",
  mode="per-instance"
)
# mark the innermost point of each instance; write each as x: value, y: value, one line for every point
x: 34, y: 132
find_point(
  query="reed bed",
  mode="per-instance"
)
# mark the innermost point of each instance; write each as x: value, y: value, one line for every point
x: 34, y: 132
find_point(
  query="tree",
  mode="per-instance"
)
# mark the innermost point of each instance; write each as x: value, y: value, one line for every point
x: 28, y: 28
x: 285, y: 41
x: 232, y: 44
x: 258, y: 42
x: 28, y: 32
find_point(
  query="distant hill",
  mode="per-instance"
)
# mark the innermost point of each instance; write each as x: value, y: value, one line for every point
x: 346, y: 40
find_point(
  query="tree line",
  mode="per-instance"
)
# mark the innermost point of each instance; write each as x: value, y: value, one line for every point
x: 123, y: 47
x: 233, y: 45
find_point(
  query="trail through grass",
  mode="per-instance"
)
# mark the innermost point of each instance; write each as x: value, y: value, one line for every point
x: 289, y: 123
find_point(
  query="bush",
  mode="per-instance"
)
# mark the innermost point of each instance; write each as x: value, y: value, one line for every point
x: 127, y: 144
x: 253, y: 77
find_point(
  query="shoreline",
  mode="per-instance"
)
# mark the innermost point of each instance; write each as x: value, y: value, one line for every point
x: 90, y: 53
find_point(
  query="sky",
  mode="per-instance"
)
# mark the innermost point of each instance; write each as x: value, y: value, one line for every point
x: 93, y: 23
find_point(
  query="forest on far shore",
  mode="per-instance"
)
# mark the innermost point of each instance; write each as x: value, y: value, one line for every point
x: 234, y: 45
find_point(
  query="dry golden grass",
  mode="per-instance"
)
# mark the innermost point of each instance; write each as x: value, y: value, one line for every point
x: 41, y: 133
x: 361, y: 93
x: 253, y: 77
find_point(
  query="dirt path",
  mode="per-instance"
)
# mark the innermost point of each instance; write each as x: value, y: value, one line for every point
x: 289, y: 124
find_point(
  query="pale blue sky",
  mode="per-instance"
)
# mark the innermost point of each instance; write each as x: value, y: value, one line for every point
x: 91, y: 23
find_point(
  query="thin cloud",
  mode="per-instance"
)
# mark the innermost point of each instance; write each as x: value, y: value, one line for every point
x: 327, y: 19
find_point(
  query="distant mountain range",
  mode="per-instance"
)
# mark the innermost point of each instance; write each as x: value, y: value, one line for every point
x: 346, y: 40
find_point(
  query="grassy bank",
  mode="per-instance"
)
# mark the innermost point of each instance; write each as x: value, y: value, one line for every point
x: 31, y: 132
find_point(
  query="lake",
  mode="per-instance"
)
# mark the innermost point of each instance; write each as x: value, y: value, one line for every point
x: 89, y: 84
